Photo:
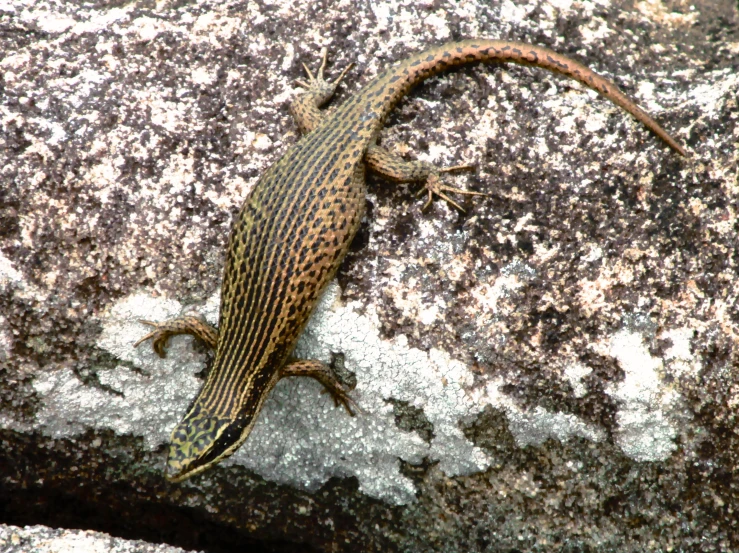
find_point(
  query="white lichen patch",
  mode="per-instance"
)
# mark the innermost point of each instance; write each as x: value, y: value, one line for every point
x: 11, y: 278
x: 535, y: 426
x: 47, y: 21
x: 574, y: 373
x: 679, y: 361
x: 8, y: 273
x: 6, y: 342
x: 146, y: 403
x: 711, y: 94
x: 596, y: 29
x: 301, y: 438
x: 488, y: 295
x: 658, y: 12
x: 645, y: 429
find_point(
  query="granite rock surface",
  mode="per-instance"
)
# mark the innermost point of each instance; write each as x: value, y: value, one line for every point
x: 556, y: 369
x: 51, y: 540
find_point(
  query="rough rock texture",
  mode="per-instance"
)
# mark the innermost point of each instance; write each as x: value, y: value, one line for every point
x: 557, y: 369
x: 51, y: 540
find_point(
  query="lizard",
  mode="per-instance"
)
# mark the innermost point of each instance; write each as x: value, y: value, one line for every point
x: 294, y: 229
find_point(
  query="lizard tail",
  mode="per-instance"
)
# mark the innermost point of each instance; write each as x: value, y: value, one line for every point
x: 396, y: 81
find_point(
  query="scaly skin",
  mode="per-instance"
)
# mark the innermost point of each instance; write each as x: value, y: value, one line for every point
x: 293, y: 231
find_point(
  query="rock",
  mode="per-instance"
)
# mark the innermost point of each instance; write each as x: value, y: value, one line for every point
x: 553, y: 370
x: 41, y: 538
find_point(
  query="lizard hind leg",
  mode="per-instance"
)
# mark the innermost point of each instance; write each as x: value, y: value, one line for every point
x: 323, y: 373
x: 394, y: 167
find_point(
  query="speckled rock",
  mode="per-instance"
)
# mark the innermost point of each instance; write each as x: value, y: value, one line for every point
x: 556, y: 369
x: 40, y: 539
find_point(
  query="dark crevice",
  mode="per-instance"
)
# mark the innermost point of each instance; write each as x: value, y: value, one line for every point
x: 43, y: 483
x: 178, y: 526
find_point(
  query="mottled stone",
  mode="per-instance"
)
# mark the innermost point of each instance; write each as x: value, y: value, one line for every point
x: 554, y: 370
x: 52, y: 540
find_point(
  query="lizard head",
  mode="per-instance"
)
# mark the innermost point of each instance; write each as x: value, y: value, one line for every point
x: 200, y: 441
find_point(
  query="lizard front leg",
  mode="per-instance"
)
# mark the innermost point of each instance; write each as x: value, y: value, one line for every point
x: 318, y: 91
x: 195, y: 326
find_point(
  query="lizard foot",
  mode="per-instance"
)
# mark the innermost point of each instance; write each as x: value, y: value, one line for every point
x: 325, y: 375
x: 159, y: 337
x: 434, y: 186
x: 317, y: 84
x: 195, y: 326
x: 340, y: 395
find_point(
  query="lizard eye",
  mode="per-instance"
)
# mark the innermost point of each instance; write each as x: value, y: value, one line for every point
x: 198, y: 442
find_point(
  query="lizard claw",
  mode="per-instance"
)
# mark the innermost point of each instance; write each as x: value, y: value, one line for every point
x: 159, y: 337
x: 340, y: 395
x: 324, y: 57
x: 317, y: 83
x: 434, y: 186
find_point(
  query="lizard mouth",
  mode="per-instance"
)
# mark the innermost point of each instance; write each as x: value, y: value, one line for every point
x: 199, y: 442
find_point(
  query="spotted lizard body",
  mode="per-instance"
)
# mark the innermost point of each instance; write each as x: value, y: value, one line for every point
x: 293, y: 231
